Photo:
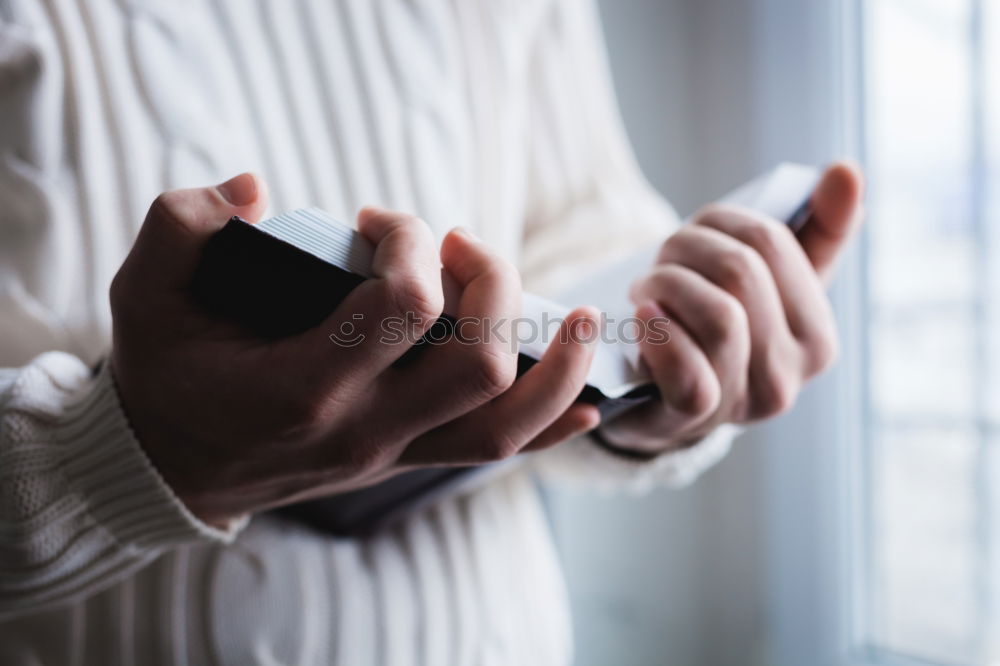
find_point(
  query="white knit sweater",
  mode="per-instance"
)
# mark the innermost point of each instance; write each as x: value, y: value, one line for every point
x: 494, y: 114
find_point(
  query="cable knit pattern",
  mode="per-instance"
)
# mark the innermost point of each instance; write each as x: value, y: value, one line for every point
x: 80, y: 501
x: 492, y: 114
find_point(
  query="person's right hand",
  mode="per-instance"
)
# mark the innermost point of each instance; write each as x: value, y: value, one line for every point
x: 236, y: 424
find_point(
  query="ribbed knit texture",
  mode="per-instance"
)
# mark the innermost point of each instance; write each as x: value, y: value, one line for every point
x: 493, y: 114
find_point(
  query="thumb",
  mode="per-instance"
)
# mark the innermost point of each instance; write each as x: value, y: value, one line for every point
x: 836, y: 214
x: 179, y: 222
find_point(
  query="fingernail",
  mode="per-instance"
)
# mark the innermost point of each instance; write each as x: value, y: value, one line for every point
x: 584, y: 330
x: 240, y: 190
x: 468, y: 233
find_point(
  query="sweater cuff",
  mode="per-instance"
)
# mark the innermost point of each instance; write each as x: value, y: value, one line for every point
x: 584, y: 460
x: 120, y: 488
x: 675, y: 468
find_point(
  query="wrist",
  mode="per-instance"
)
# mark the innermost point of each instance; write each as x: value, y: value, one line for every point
x: 173, y: 454
x: 133, y: 473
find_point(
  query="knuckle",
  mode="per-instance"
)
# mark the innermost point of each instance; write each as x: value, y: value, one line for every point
x: 402, y: 220
x: 399, y: 221
x: 774, y: 395
x: 666, y: 278
x: 412, y: 294
x: 167, y: 207
x: 726, y: 320
x: 500, y: 274
x: 710, y: 213
x: 386, y: 220
x: 670, y: 247
x: 736, y: 269
x: 406, y: 230
x: 821, y: 352
x: 766, y: 235
x: 700, y: 396
x: 494, y: 373
x: 410, y: 231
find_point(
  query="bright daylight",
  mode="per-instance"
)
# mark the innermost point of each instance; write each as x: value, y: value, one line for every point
x: 500, y: 332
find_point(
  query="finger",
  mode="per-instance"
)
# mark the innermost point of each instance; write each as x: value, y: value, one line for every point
x: 577, y: 420
x: 690, y: 389
x: 803, y: 297
x: 404, y: 244
x: 737, y: 268
x: 776, y: 363
x: 714, y: 319
x: 479, y: 362
x: 837, y: 213
x: 502, y: 427
x: 169, y: 245
x: 383, y: 317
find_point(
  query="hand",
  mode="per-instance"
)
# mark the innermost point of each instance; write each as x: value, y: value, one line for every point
x: 236, y: 424
x: 750, y: 320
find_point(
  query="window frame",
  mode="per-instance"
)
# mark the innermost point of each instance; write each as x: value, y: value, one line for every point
x: 813, y: 498
x: 818, y: 492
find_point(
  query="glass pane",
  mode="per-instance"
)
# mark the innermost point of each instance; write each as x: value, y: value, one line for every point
x: 933, y: 145
x: 991, y: 99
x: 990, y: 483
x: 918, y: 129
x: 922, y: 363
x: 991, y: 184
x: 925, y: 543
x: 990, y: 524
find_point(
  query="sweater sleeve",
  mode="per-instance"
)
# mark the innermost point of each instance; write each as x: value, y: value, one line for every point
x: 590, y: 206
x: 80, y: 504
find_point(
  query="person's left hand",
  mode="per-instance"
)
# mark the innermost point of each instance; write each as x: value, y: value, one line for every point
x: 750, y: 322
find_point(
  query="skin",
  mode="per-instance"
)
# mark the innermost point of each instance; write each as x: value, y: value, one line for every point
x: 750, y: 320
x: 750, y: 324
x: 270, y: 423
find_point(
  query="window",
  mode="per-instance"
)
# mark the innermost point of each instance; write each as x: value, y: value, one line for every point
x: 931, y: 510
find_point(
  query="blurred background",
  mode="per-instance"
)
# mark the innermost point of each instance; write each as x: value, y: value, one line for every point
x: 863, y: 528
